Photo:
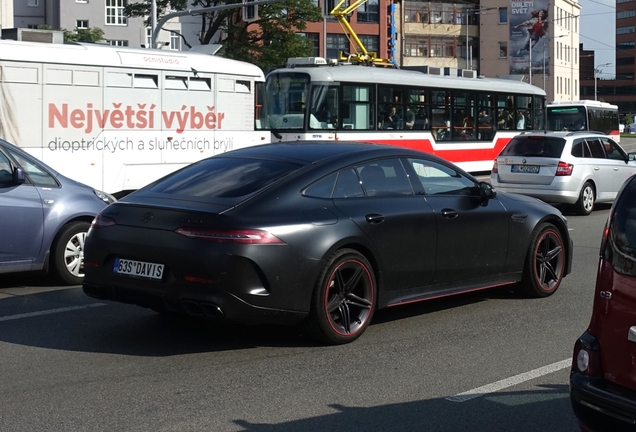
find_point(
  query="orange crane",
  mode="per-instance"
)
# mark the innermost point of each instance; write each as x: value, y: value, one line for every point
x: 362, y: 56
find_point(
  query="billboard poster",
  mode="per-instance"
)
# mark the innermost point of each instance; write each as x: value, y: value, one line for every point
x: 529, y: 36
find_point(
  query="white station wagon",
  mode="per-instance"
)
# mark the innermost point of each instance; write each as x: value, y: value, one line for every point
x: 579, y: 168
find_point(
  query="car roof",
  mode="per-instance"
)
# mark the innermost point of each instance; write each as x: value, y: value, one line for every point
x: 309, y: 152
x: 562, y: 134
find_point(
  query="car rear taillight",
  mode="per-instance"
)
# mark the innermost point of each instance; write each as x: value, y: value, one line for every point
x: 564, y: 169
x: 102, y: 222
x: 495, y: 167
x: 587, y: 357
x: 231, y: 236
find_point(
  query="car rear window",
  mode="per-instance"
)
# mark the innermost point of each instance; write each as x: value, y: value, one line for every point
x: 224, y: 177
x: 542, y: 146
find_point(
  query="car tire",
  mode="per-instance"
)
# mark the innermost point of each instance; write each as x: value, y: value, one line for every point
x: 68, y: 252
x: 344, y: 299
x: 587, y: 197
x: 545, y: 262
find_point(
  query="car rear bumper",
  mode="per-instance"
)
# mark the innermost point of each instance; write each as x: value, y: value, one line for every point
x: 563, y: 194
x: 600, y: 406
x: 204, y: 303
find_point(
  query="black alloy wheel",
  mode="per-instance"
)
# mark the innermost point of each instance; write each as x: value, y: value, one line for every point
x: 545, y: 262
x: 343, y: 300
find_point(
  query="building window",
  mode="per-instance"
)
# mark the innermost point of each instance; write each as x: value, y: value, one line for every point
x: 335, y: 44
x: 626, y: 61
x: 370, y: 42
x: 625, y: 14
x: 503, y: 49
x: 416, y: 46
x: 625, y: 45
x: 624, y: 30
x: 122, y: 43
x: 623, y: 1
x: 175, y: 42
x: 315, y: 40
x: 115, y: 12
x: 32, y: 3
x: 503, y: 15
x: 81, y: 24
x: 442, y: 47
x: 369, y: 12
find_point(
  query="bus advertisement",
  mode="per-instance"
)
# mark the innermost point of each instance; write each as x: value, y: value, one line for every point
x: 118, y: 118
x: 466, y: 120
x: 588, y: 115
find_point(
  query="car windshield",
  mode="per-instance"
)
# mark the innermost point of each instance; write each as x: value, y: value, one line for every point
x: 224, y: 177
x: 542, y: 146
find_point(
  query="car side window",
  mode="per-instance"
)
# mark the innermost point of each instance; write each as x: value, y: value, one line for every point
x: 579, y: 148
x: 6, y: 175
x: 596, y: 148
x: 37, y: 175
x: 612, y: 150
x: 384, y: 178
x: 438, y: 179
x: 322, y: 188
x: 348, y: 185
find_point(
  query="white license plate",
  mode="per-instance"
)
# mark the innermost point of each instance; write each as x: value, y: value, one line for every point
x: 530, y: 169
x: 138, y: 268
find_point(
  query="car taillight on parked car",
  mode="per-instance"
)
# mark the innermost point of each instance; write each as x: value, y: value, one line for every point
x: 587, y: 357
x: 231, y: 236
x: 564, y: 169
x: 495, y: 167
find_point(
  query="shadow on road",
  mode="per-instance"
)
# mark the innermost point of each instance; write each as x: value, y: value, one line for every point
x: 68, y: 320
x: 503, y: 411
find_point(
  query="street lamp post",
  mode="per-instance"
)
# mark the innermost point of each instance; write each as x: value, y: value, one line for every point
x: 597, y: 70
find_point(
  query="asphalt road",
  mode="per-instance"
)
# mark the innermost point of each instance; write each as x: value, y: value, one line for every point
x: 488, y: 361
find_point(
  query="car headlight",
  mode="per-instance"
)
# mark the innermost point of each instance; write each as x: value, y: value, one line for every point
x: 107, y: 198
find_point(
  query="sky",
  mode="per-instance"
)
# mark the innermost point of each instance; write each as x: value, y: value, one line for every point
x: 598, y: 32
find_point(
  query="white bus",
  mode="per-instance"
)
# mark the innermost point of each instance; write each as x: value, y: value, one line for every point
x: 466, y: 120
x: 586, y: 115
x: 118, y: 118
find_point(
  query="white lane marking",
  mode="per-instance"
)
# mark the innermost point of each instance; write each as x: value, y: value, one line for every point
x: 509, y: 382
x: 49, y: 312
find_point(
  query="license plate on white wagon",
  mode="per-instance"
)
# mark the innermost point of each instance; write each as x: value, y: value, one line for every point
x: 529, y: 169
x: 138, y: 269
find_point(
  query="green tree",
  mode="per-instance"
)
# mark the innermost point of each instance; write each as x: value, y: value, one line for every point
x: 267, y: 42
x: 91, y: 34
x: 629, y: 118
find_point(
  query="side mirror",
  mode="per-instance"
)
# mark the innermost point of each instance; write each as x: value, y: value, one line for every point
x: 18, y: 175
x: 487, y: 192
x: 631, y: 156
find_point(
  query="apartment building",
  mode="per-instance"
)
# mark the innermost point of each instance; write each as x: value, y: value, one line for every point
x: 81, y: 14
x: 621, y: 90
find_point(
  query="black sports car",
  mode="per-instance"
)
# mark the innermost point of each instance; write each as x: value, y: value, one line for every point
x: 321, y: 234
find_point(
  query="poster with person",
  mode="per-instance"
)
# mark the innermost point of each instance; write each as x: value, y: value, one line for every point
x: 529, y: 22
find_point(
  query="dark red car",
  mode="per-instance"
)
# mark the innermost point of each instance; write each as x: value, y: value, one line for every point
x: 603, y: 376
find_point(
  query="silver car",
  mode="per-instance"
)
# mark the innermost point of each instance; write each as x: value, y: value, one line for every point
x: 44, y: 216
x: 578, y: 168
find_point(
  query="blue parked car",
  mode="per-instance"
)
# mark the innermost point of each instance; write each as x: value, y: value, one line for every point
x: 44, y: 217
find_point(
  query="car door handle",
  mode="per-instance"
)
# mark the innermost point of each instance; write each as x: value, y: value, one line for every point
x: 48, y: 201
x: 631, y: 334
x: 374, y: 218
x: 596, y: 168
x: 449, y: 213
x: 615, y: 168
